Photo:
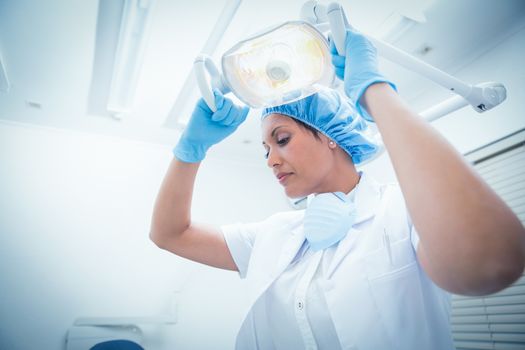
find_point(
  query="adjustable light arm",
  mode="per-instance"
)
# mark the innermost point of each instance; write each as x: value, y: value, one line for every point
x: 481, y: 97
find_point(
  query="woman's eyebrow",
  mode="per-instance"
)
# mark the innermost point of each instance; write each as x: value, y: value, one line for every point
x: 275, y: 129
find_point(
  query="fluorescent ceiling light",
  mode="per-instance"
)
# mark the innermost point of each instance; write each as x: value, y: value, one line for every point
x: 122, y: 31
x: 130, y: 51
x: 395, y: 26
x: 408, y: 14
x: 4, y: 82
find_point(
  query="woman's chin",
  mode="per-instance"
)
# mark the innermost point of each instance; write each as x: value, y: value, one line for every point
x: 291, y: 193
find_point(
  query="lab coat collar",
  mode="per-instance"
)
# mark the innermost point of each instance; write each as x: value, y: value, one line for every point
x: 367, y: 198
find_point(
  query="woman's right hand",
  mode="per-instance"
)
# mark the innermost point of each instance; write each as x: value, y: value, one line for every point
x: 207, y: 128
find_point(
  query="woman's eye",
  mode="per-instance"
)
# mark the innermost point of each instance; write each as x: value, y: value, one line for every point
x: 283, y: 141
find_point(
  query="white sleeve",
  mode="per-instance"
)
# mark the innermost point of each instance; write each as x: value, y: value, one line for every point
x: 240, y: 239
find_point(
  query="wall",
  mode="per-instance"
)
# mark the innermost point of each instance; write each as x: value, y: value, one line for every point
x: 75, y: 211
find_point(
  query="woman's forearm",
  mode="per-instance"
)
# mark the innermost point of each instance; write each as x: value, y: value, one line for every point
x: 471, y: 242
x: 172, y: 211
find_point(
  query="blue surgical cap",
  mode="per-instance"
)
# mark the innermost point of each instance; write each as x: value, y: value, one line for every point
x: 335, y: 117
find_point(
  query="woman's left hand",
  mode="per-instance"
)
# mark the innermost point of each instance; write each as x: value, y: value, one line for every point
x: 357, y: 67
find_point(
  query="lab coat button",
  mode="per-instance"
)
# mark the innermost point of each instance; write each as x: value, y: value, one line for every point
x: 300, y: 305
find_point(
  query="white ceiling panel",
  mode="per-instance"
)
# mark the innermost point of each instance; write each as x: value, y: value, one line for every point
x: 48, y: 50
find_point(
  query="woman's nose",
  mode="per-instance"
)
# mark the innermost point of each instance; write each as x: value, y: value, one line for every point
x: 273, y: 159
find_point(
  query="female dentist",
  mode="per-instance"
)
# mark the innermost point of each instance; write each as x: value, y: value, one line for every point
x: 366, y: 265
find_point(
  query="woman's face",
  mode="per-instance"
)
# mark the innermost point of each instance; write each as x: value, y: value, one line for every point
x: 300, y: 161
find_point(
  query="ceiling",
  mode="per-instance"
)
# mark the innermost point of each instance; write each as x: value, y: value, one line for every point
x: 48, y: 49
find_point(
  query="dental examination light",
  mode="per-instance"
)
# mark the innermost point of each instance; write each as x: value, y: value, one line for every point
x: 482, y: 97
x: 290, y: 61
x: 277, y: 66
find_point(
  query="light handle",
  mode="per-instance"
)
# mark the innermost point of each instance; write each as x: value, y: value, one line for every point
x: 204, y: 66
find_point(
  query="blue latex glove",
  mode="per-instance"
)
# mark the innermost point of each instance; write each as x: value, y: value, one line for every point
x: 207, y: 128
x: 358, y: 69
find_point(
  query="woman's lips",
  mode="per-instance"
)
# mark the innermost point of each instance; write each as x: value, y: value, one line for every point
x: 283, y: 177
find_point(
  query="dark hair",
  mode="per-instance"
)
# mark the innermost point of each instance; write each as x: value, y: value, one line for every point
x: 314, y: 131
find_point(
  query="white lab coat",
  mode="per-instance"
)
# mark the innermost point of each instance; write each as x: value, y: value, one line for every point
x: 376, y: 302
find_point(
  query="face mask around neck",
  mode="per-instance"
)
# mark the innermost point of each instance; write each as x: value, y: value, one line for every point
x: 328, y: 218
